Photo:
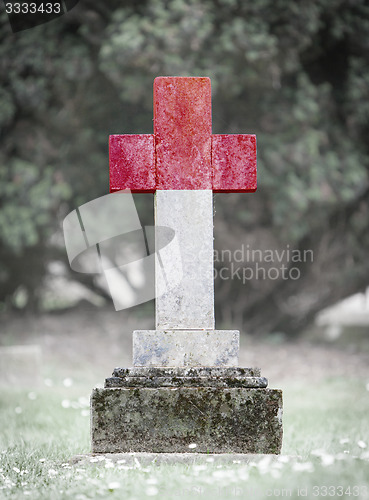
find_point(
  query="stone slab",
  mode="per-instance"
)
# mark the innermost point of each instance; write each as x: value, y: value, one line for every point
x: 182, y: 129
x: 168, y: 420
x: 234, y: 163
x: 252, y: 382
x: 192, y: 371
x: 189, y: 305
x: 132, y: 163
x: 176, y: 348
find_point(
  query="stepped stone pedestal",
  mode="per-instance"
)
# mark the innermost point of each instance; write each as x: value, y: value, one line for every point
x: 165, y: 409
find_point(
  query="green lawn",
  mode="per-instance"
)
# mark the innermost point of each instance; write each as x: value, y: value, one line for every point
x: 325, y: 451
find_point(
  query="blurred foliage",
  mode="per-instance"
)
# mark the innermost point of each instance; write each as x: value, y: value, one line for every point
x: 294, y: 73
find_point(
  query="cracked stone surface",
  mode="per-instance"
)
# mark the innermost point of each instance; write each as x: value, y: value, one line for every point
x: 217, y: 420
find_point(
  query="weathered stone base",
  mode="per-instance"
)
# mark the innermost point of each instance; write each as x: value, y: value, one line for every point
x: 169, y: 419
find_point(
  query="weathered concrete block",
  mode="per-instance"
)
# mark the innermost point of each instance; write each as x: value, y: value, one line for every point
x: 185, y: 348
x: 168, y: 420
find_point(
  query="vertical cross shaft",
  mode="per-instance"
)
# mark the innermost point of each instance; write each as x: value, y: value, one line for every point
x: 183, y: 200
x: 190, y: 305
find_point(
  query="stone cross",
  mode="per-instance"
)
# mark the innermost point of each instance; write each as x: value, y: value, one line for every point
x: 185, y: 391
x: 183, y: 163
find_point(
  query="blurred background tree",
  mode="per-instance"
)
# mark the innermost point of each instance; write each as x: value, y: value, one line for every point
x: 294, y: 73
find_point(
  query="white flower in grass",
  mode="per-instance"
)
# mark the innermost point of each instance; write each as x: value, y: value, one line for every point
x: 152, y: 491
x: 52, y: 472
x: 264, y: 464
x: 85, y: 413
x: 67, y: 382
x: 8, y: 483
x: 26, y: 492
x: 84, y: 402
x: 303, y: 467
x: 42, y: 460
x: 152, y: 480
x: 225, y: 474
x: 318, y: 453
x: 243, y: 474
x: 18, y: 410
x: 275, y: 473
x: 192, y: 446
x: 327, y: 460
x: 121, y: 461
x: 277, y: 465
x: 109, y: 465
x: 114, y: 485
x: 218, y: 473
x: 199, y: 467
x: 344, y: 440
x: 361, y: 444
x: 210, y: 459
x: 65, y: 403
x: 341, y: 456
x: 15, y: 469
x: 94, y: 459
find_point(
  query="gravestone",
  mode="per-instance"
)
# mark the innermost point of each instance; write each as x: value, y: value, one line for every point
x: 185, y: 390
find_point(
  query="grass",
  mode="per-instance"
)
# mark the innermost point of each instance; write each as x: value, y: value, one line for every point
x: 325, y: 451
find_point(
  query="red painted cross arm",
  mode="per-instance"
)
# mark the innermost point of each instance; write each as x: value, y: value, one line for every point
x: 182, y: 153
x: 132, y: 163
